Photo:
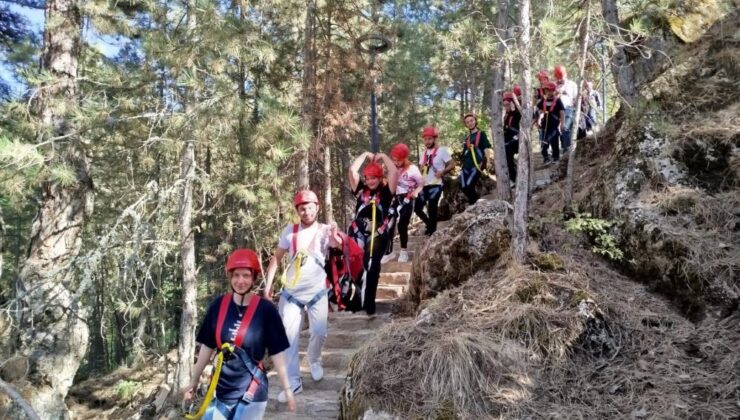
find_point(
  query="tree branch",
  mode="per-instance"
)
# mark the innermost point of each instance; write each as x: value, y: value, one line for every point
x: 16, y: 397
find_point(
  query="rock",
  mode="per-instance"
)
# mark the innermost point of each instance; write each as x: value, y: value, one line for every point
x: 694, y: 20
x: 473, y: 239
x: 453, y: 200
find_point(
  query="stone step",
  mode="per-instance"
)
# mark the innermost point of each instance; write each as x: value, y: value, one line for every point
x: 314, y: 405
x: 332, y: 381
x: 336, y: 360
x: 397, y: 277
x: 338, y: 338
x: 359, y: 320
x: 395, y: 267
x: 390, y: 291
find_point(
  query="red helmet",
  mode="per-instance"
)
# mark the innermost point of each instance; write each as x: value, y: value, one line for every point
x: 305, y: 196
x: 400, y: 151
x: 559, y: 72
x: 243, y: 258
x: 508, y: 96
x: 550, y: 86
x: 429, y: 132
x: 373, y: 169
x: 517, y: 90
x: 542, y: 74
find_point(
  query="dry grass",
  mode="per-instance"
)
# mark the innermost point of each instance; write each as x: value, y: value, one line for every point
x: 511, y: 344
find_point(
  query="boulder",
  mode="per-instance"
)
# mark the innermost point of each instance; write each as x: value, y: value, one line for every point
x: 474, y: 239
x: 453, y: 200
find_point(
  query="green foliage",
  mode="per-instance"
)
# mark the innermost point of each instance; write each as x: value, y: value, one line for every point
x: 597, y: 230
x: 126, y: 390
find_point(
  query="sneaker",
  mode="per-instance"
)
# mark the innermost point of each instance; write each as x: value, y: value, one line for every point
x: 388, y: 257
x: 317, y: 372
x: 284, y: 398
x: 403, y: 256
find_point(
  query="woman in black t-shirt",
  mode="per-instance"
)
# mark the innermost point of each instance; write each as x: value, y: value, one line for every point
x: 372, y: 193
x: 245, y: 327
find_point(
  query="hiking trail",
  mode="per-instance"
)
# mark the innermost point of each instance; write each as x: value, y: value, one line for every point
x: 347, y: 333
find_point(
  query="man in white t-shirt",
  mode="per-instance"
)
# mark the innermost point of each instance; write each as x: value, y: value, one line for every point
x: 307, y: 244
x: 568, y: 92
x: 435, y: 163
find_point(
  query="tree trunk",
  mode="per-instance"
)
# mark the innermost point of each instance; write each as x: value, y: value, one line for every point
x: 521, y: 201
x: 568, y: 194
x: 497, y: 129
x: 308, y: 91
x: 624, y: 73
x: 328, y: 208
x: 53, y: 333
x: 186, y: 344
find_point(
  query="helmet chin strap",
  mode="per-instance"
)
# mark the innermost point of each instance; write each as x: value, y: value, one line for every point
x: 243, y: 295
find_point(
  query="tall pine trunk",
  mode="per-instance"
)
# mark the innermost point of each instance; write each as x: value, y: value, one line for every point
x: 308, y: 91
x: 568, y: 194
x: 497, y: 129
x: 53, y: 332
x: 521, y: 201
x: 186, y: 344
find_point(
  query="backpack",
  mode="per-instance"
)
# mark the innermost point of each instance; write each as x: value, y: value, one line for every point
x: 344, y: 272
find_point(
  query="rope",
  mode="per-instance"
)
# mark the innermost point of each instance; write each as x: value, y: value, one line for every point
x: 372, y: 229
x: 214, y: 381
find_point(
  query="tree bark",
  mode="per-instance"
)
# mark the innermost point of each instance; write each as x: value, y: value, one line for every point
x: 568, y: 193
x: 624, y: 73
x: 308, y: 91
x: 521, y: 201
x: 497, y: 128
x: 186, y: 344
x: 53, y: 332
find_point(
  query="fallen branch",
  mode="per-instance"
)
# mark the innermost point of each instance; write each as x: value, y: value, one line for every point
x: 16, y: 397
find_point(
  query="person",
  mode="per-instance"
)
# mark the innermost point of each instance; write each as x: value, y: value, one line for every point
x: 435, y: 163
x: 252, y: 327
x: 369, y: 227
x: 307, y: 243
x: 543, y: 78
x: 408, y: 188
x: 593, y: 100
x: 512, y: 118
x: 567, y: 93
x: 476, y: 151
x: 551, y: 119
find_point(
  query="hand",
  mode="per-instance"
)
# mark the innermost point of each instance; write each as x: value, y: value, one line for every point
x: 188, y: 393
x: 267, y: 294
x: 438, y: 175
x: 560, y: 127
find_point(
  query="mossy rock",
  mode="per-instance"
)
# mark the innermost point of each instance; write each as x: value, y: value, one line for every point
x: 691, y: 21
x: 548, y: 262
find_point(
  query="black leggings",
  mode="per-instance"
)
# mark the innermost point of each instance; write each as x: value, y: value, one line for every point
x: 429, y: 196
x: 373, y: 271
x: 512, y: 148
x: 405, y: 210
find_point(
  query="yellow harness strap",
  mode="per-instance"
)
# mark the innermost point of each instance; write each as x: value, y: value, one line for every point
x: 475, y: 159
x: 372, y: 229
x: 297, y: 264
x: 214, y: 381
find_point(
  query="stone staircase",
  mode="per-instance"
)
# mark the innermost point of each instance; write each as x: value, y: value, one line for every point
x: 347, y: 333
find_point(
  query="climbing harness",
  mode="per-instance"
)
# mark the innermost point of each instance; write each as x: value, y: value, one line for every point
x: 225, y: 349
x: 469, y: 147
x: 428, y: 161
x: 299, y: 258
